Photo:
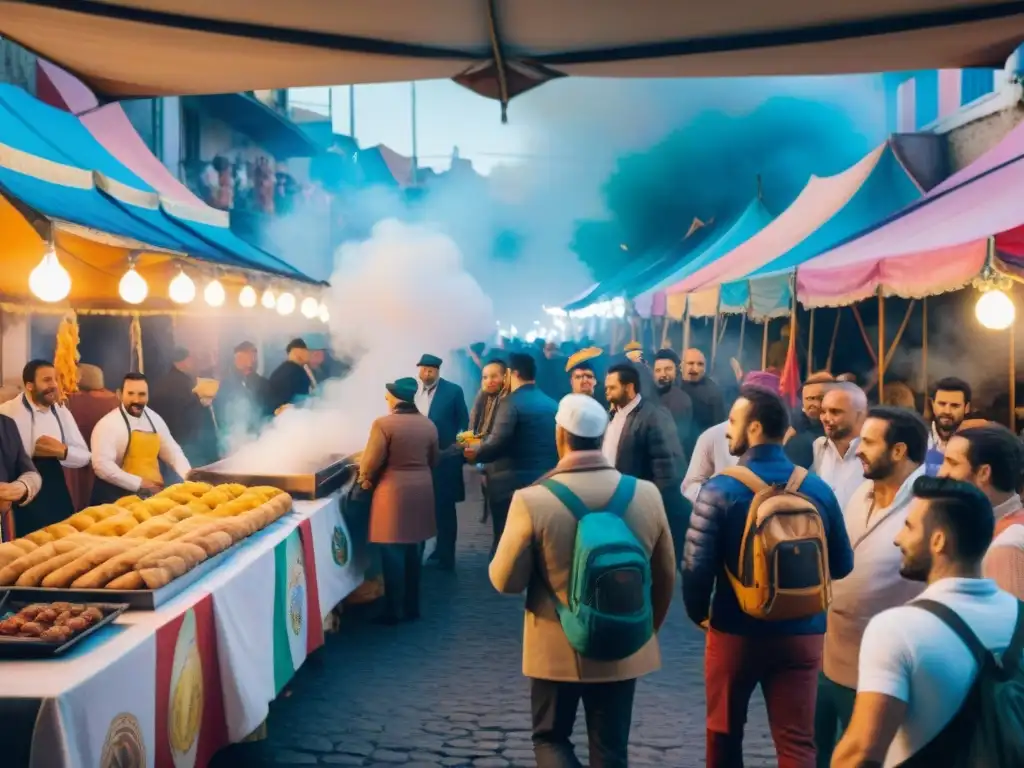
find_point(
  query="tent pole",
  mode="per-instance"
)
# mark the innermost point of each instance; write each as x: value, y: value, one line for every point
x: 899, y: 334
x: 743, y: 328
x: 686, y: 326
x: 881, y: 345
x: 924, y: 346
x: 714, y: 338
x: 1013, y: 374
x: 664, y: 332
x: 810, y: 345
x: 764, y: 344
x: 835, y: 337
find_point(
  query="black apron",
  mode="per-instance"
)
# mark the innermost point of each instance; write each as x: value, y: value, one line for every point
x: 107, y: 493
x: 53, y: 502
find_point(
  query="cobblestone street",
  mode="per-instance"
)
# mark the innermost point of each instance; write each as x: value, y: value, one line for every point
x: 448, y: 690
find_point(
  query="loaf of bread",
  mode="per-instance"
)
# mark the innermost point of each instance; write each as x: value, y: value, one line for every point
x: 151, y: 528
x: 164, y: 573
x: 195, y: 488
x: 130, y: 580
x: 127, y: 501
x: 25, y: 545
x: 10, y: 552
x: 118, y: 525
x: 160, y: 506
x: 215, y: 498
x: 232, y: 489
x: 60, y: 530
x: 190, y: 553
x: 81, y: 521
x: 9, y: 574
x: 63, y: 577
x: 141, y: 512
x: 103, y: 511
x: 34, y: 576
x: 211, y: 542
x: 40, y: 537
x: 116, y: 566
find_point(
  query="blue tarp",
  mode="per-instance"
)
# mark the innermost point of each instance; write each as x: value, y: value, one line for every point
x: 29, y: 125
x: 671, y: 260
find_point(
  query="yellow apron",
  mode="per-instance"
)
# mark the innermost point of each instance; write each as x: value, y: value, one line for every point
x: 141, y: 458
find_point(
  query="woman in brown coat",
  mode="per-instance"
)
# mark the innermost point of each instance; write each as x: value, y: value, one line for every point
x: 396, y: 464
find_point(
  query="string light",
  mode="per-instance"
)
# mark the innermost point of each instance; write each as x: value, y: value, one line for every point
x: 310, y: 307
x: 268, y: 301
x: 133, y: 287
x: 995, y: 310
x: 214, y: 293
x: 181, y: 289
x: 247, y: 298
x: 325, y: 315
x: 49, y: 281
x: 285, y: 304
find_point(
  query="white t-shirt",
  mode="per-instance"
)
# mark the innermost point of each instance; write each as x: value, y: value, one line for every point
x: 911, y: 655
x: 710, y: 456
x: 844, y: 474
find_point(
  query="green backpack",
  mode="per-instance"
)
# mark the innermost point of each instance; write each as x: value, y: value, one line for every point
x: 609, y: 616
x: 988, y: 729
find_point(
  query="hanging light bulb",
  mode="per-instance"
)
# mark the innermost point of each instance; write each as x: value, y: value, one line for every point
x: 310, y: 307
x: 247, y: 298
x: 181, y: 290
x: 268, y: 301
x: 133, y: 288
x: 214, y: 293
x: 285, y: 303
x: 325, y: 315
x: 995, y: 310
x: 49, y: 281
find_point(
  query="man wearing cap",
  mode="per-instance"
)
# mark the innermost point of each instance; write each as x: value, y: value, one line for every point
x: 292, y: 381
x: 675, y: 401
x: 189, y: 419
x: 583, y: 375
x: 444, y: 403
x: 535, y: 554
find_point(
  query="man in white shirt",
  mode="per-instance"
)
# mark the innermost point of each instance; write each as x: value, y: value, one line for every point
x: 51, y: 437
x: 843, y: 409
x: 893, y: 442
x: 915, y: 672
x: 128, y: 445
x: 710, y: 456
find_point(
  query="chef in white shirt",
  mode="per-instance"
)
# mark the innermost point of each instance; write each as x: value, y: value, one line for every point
x: 128, y: 445
x: 843, y: 410
x: 52, y: 439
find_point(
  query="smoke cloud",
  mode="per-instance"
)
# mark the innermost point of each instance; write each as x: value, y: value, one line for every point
x: 395, y: 296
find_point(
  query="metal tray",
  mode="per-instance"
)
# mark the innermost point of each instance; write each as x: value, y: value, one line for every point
x: 30, y: 648
x: 306, y: 486
x: 135, y: 599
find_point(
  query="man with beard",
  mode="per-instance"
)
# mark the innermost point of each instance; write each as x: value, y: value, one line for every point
x: 893, y: 442
x: 241, y: 402
x: 990, y: 458
x: 744, y: 651
x: 188, y: 416
x: 641, y: 441
x: 292, y: 381
x: 951, y: 402
x: 50, y: 435
x: 485, y: 407
x: 672, y: 398
x: 917, y: 662
x: 583, y: 376
x: 129, y: 444
x: 707, y: 399
x: 807, y: 427
x: 19, y: 480
x: 835, y: 453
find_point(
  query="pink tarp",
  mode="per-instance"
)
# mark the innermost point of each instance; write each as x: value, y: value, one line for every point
x: 1010, y: 148
x: 937, y: 247
x: 111, y: 127
x: 821, y: 199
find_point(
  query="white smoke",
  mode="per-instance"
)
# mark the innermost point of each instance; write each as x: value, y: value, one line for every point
x: 400, y: 294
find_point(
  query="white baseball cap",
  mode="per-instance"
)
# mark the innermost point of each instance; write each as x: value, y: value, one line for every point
x: 582, y: 416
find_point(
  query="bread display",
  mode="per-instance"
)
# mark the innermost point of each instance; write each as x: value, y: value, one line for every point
x: 141, y: 544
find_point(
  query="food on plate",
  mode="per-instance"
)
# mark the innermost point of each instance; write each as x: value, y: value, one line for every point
x: 65, y: 575
x: 116, y: 566
x: 129, y: 581
x: 57, y: 634
x: 51, y: 622
x: 31, y: 629
x: 163, y: 573
x: 34, y: 576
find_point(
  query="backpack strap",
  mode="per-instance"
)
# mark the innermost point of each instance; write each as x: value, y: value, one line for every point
x: 796, y: 479
x: 617, y: 504
x: 569, y: 500
x: 952, y: 619
x: 746, y: 476
x: 1012, y: 660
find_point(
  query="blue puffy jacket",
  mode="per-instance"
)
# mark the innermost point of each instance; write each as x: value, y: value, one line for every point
x: 715, y: 534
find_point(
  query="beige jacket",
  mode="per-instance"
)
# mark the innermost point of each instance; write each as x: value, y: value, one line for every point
x: 540, y: 535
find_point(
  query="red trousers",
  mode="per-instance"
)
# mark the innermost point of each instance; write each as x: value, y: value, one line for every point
x: 786, y: 667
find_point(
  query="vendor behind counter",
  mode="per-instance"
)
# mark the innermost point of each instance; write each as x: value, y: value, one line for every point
x: 189, y: 418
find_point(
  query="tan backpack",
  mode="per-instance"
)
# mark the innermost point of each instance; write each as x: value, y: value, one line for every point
x: 783, y: 564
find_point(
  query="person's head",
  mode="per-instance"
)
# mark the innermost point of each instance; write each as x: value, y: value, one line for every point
x: 758, y: 417
x: 246, y: 358
x: 899, y: 395
x: 622, y: 384
x: 316, y: 358
x: 580, y: 367
x: 298, y: 352
x: 813, y: 392
x: 429, y: 369
x: 523, y: 369
x: 947, y: 532
x: 550, y: 350
x: 843, y: 409
x: 666, y: 368
x: 400, y: 391
x: 892, y: 441
x: 135, y: 393
x: 989, y: 458
x: 951, y: 402
x: 183, y: 361
x: 90, y: 378
x: 492, y: 379
x: 580, y: 424
x: 694, y: 365
x: 763, y: 380
x: 40, y: 380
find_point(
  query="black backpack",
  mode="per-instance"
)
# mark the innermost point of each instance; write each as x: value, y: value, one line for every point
x: 988, y: 729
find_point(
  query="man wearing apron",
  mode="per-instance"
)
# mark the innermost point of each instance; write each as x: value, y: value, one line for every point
x: 128, y: 445
x: 51, y: 437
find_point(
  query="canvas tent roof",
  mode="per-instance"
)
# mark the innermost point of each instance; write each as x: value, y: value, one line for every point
x: 125, y: 48
x: 937, y: 245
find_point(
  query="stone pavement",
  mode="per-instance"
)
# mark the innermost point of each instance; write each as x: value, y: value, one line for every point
x: 448, y: 690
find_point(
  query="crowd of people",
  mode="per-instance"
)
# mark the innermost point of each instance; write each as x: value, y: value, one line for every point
x: 861, y: 565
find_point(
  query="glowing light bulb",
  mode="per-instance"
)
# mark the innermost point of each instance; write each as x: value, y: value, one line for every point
x: 268, y: 301
x: 181, y: 289
x: 995, y: 310
x: 49, y: 281
x: 133, y: 288
x: 247, y: 298
x: 285, y: 303
x: 310, y: 307
x: 325, y: 315
x: 214, y: 293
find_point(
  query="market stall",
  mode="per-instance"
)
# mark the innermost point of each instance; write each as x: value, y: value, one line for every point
x: 170, y: 687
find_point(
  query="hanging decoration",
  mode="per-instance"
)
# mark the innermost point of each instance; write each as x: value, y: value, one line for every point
x: 269, y: 301
x: 214, y: 293
x: 995, y: 309
x: 181, y: 289
x: 133, y: 287
x: 310, y: 307
x: 49, y: 281
x: 66, y: 357
x: 324, y: 313
x: 285, y: 304
x: 247, y: 298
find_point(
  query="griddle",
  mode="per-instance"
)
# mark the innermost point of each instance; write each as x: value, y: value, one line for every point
x: 314, y: 484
